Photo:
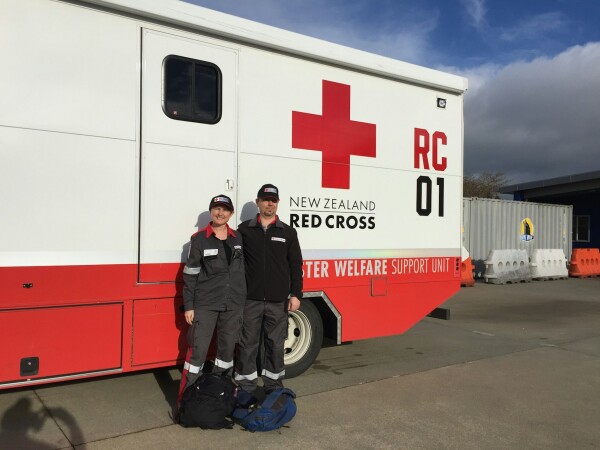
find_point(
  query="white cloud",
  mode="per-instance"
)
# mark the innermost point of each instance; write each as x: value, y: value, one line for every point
x: 537, y: 119
x: 535, y: 27
x: 477, y: 76
x: 403, y: 35
x: 407, y: 43
x: 476, y: 12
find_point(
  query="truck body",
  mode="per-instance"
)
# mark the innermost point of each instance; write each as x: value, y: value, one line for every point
x: 121, y: 119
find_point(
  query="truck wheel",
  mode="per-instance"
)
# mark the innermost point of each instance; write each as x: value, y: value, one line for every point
x: 304, y: 339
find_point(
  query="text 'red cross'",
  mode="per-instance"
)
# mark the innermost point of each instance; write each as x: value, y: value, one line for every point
x: 334, y: 134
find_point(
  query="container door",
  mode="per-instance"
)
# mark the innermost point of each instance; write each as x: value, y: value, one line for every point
x: 188, y: 145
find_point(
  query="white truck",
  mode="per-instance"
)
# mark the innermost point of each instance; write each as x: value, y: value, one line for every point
x: 121, y: 118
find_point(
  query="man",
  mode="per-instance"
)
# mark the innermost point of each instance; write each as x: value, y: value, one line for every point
x: 274, y: 281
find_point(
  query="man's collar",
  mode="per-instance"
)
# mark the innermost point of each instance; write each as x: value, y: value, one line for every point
x: 259, y: 220
x: 275, y: 223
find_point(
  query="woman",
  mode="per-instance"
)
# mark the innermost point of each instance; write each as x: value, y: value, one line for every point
x: 214, y: 291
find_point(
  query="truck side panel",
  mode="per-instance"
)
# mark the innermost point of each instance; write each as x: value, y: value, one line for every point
x: 101, y: 190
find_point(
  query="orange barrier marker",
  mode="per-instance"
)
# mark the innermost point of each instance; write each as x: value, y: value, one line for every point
x: 466, y: 273
x: 595, y: 262
x: 585, y: 262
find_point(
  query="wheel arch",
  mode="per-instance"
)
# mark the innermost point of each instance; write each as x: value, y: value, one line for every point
x: 331, y: 317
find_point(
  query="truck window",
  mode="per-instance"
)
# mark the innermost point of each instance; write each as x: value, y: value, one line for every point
x: 192, y: 90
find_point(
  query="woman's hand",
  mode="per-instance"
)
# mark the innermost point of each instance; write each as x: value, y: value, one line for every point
x: 189, y: 316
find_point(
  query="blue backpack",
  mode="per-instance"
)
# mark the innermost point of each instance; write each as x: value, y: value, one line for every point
x: 277, y: 409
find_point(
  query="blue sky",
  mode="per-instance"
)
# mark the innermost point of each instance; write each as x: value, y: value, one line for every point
x: 533, y: 106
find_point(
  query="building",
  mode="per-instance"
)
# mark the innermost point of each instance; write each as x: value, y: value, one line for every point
x: 582, y: 191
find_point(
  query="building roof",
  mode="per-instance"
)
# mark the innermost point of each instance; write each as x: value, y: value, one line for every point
x: 581, y: 182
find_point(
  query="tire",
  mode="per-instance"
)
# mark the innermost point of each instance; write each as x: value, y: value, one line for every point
x: 304, y: 339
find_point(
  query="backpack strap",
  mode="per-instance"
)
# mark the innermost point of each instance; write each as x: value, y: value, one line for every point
x: 289, y: 392
x: 226, y: 373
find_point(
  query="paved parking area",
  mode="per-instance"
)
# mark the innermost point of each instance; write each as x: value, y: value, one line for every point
x: 517, y: 366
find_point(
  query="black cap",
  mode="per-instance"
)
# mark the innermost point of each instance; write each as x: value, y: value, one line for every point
x: 268, y: 191
x: 221, y: 200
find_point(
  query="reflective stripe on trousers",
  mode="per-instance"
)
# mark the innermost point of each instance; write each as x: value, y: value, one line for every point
x: 270, y: 319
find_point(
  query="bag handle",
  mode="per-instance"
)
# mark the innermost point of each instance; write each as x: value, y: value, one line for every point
x: 274, y: 395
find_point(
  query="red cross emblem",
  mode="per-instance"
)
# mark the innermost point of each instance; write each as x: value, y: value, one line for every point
x: 334, y: 134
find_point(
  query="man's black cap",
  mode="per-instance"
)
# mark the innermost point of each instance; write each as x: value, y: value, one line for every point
x: 221, y: 200
x: 268, y: 191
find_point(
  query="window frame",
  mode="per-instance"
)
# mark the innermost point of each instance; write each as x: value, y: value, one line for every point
x: 219, y: 96
x: 576, y: 237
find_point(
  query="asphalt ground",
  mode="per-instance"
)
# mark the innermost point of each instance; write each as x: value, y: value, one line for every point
x: 516, y: 366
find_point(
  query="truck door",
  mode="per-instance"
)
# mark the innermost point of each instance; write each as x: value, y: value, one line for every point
x: 188, y: 144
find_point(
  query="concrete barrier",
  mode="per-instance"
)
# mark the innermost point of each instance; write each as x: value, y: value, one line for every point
x: 549, y: 264
x: 507, y: 266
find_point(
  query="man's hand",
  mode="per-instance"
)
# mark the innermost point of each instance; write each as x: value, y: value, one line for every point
x: 189, y: 316
x: 294, y: 304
